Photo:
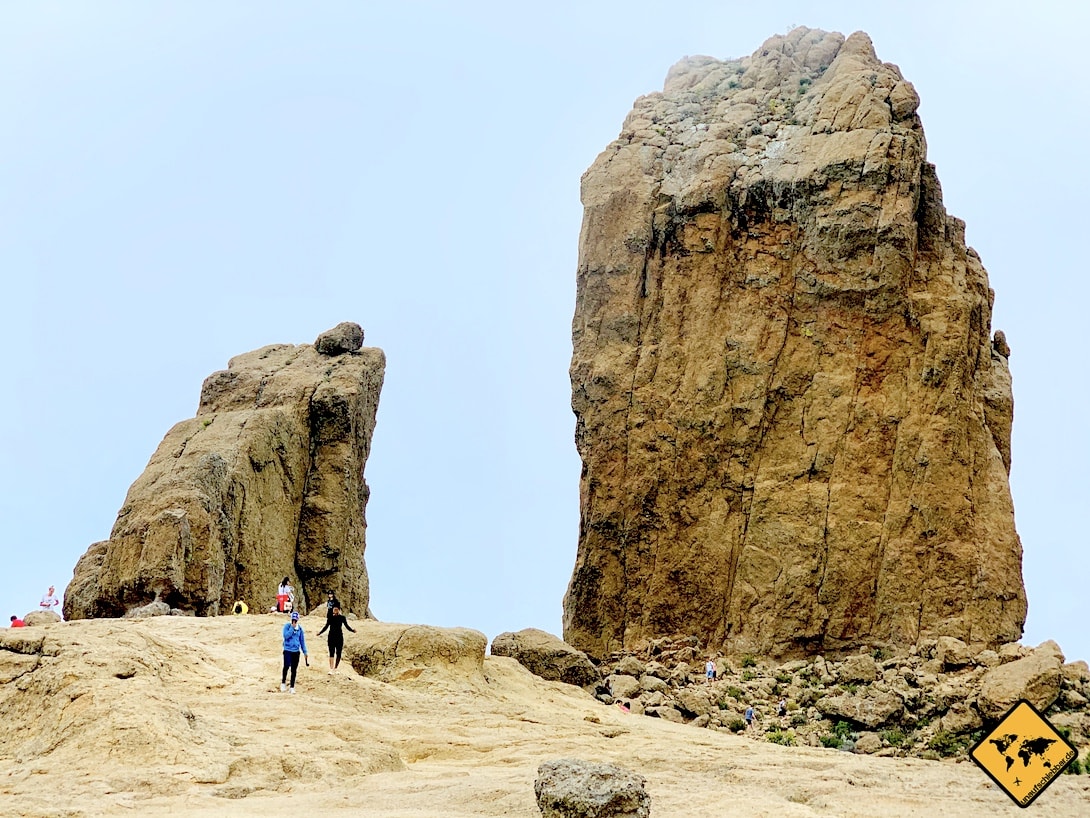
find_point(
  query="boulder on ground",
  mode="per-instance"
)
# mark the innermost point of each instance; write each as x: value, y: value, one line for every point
x: 951, y: 652
x: 40, y: 618
x: 861, y: 668
x: 694, y: 701
x: 1035, y: 677
x: 666, y: 712
x: 622, y: 686
x: 1076, y: 673
x: 868, y: 743
x: 546, y: 656
x: 393, y: 653
x: 570, y: 788
x: 156, y: 608
x: 630, y: 666
x: 653, y: 684
x: 1012, y: 651
x: 960, y: 718
x: 872, y: 708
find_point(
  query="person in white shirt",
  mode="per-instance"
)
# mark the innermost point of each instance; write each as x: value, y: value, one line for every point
x: 49, y: 601
x: 285, y: 594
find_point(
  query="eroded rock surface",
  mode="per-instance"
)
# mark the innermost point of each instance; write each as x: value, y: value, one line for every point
x: 265, y: 482
x: 573, y: 788
x: 546, y: 656
x: 793, y: 419
x: 390, y: 652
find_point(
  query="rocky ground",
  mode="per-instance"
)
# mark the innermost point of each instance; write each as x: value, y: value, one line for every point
x: 182, y: 716
x: 932, y: 702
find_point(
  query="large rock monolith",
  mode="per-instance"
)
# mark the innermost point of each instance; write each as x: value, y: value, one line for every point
x: 793, y: 418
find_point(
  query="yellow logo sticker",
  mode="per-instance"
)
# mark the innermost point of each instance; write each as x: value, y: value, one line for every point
x: 1023, y: 753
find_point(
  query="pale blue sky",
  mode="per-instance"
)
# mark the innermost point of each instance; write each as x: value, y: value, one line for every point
x: 182, y: 182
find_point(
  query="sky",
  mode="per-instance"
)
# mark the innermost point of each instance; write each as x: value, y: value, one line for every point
x: 181, y: 182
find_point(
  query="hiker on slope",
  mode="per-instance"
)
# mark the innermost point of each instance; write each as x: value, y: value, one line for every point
x: 294, y: 643
x: 335, y: 622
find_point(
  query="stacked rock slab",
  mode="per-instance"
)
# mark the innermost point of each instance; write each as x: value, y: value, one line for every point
x: 266, y: 481
x: 793, y: 421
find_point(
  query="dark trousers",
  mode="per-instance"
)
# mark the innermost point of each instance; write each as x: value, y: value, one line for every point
x: 291, y: 660
x: 335, y: 648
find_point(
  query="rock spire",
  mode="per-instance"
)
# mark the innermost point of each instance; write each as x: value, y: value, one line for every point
x: 265, y: 482
x: 793, y: 419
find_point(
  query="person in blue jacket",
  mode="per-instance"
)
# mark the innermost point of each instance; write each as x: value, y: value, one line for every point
x: 294, y: 643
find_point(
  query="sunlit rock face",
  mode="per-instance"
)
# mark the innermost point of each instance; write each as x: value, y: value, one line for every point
x: 793, y: 418
x: 265, y: 482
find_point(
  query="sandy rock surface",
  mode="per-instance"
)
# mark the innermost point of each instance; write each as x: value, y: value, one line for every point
x: 182, y: 716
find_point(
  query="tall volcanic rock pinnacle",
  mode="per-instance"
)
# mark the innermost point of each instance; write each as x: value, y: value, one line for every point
x: 266, y: 481
x: 794, y: 426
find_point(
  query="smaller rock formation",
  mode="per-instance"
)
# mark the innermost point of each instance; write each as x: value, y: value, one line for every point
x: 265, y: 482
x: 546, y: 656
x: 570, y: 788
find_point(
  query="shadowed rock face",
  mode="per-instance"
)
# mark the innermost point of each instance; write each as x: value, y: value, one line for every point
x: 265, y: 482
x: 793, y: 420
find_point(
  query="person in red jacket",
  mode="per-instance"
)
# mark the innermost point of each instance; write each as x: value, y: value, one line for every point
x: 16, y: 622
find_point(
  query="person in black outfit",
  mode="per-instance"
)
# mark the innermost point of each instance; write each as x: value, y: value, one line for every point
x: 335, y: 639
x: 331, y: 603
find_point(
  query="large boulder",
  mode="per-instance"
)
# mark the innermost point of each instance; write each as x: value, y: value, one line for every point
x: 41, y: 618
x: 546, y: 656
x: 1035, y: 678
x: 266, y: 481
x: 569, y: 788
x: 861, y: 668
x: 951, y: 653
x: 788, y: 400
x: 694, y: 701
x: 399, y: 653
x: 871, y: 708
x: 623, y: 686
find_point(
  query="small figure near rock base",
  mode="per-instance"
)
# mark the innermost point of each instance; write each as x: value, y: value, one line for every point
x: 331, y: 603
x: 709, y: 671
x: 49, y: 601
x: 285, y: 596
x: 750, y: 716
x: 16, y: 622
